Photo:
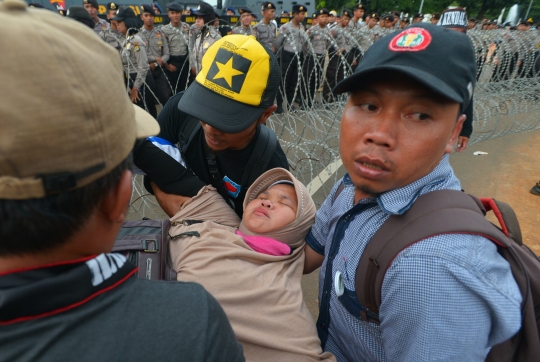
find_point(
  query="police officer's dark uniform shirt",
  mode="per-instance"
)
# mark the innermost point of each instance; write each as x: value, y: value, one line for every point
x: 231, y: 163
x: 265, y: 34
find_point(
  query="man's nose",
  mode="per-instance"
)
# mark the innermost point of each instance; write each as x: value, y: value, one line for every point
x: 382, y: 131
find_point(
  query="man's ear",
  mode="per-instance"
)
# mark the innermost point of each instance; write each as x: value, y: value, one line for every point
x: 267, y: 113
x: 455, y: 134
x: 114, y: 204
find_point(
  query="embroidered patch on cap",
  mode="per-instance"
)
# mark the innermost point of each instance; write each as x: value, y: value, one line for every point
x: 410, y: 40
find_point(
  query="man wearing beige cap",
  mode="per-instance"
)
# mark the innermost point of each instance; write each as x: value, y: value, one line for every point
x: 65, y: 184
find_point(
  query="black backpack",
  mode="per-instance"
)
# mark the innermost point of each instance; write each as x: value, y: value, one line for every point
x: 451, y: 211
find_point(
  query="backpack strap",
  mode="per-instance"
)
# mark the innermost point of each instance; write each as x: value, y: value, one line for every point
x: 188, y: 130
x: 435, y: 213
x: 265, y: 148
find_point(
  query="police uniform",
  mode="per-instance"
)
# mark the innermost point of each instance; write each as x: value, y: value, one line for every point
x: 315, y: 52
x: 114, y: 38
x: 288, y: 46
x: 241, y: 29
x: 100, y: 24
x: 337, y: 57
x: 157, y: 46
x: 200, y: 42
x: 266, y: 33
x: 178, y: 39
x: 201, y: 39
x: 135, y: 62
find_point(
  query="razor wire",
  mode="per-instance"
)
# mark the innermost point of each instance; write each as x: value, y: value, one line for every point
x: 505, y: 102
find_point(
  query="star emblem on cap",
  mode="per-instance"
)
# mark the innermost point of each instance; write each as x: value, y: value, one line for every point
x: 226, y: 71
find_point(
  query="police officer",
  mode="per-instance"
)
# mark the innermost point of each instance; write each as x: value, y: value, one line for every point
x: 245, y: 28
x: 357, y: 20
x: 337, y: 55
x: 111, y: 35
x: 288, y: 46
x: 202, y: 35
x: 387, y: 21
x: 319, y: 41
x: 157, y: 48
x: 134, y: 59
x: 177, y: 34
x: 92, y: 7
x: 265, y: 30
x: 314, y: 20
x: 112, y: 9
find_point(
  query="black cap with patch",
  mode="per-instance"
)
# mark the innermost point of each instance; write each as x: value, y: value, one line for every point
x: 298, y: 9
x: 418, y: 16
x: 323, y: 11
x: 359, y: 6
x: 443, y: 60
x: 91, y: 2
x: 389, y: 17
x: 112, y: 6
x: 174, y: 7
x: 124, y: 13
x: 375, y: 16
x: 204, y: 9
x: 267, y: 5
x: 145, y: 8
x: 346, y: 13
x: 245, y: 11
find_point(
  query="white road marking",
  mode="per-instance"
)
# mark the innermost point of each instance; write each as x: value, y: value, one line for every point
x: 323, y: 176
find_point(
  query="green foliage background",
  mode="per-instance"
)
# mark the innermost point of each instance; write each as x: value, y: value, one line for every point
x: 480, y: 9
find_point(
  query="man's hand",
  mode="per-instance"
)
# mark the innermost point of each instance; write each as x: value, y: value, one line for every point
x: 171, y: 68
x: 160, y: 61
x: 152, y: 66
x: 193, y: 71
x: 354, y: 62
x: 134, y: 95
x: 462, y: 143
x: 170, y: 203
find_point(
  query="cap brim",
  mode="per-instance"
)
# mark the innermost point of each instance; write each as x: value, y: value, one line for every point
x: 146, y: 124
x: 118, y: 18
x: 218, y: 111
x: 423, y: 77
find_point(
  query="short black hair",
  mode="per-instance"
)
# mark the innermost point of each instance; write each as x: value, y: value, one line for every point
x: 38, y: 225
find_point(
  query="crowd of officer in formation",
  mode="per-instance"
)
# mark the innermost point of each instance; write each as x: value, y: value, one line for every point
x: 160, y: 61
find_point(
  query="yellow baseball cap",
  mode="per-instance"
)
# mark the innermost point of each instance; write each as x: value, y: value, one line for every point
x: 68, y: 120
x: 239, y: 79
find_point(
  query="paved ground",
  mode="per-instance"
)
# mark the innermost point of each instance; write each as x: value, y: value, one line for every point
x: 507, y: 172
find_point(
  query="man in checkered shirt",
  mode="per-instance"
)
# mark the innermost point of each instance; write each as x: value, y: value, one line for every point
x: 449, y: 297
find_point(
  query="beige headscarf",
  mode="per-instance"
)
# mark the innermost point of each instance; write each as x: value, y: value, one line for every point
x: 261, y: 294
